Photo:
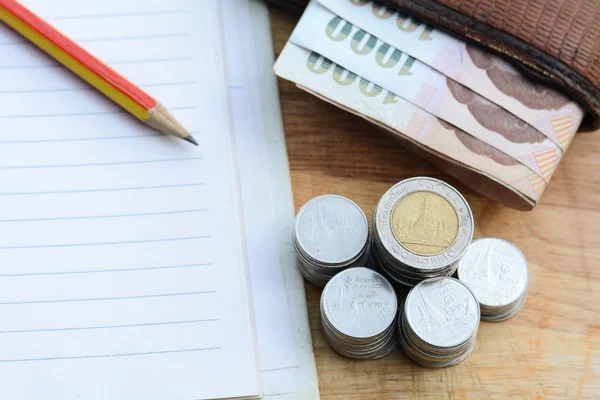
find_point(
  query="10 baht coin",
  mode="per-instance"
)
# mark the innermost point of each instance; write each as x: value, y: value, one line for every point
x: 422, y: 228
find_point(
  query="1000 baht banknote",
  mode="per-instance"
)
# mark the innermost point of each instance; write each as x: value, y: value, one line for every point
x: 546, y: 109
x: 321, y: 31
x: 374, y: 102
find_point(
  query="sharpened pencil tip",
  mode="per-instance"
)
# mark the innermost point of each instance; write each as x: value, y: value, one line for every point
x: 191, y: 140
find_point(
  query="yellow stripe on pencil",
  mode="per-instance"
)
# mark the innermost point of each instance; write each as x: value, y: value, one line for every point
x: 130, y: 97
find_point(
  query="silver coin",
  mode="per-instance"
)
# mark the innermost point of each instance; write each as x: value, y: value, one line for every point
x: 359, y: 303
x: 332, y: 269
x: 331, y: 229
x: 430, y: 360
x: 505, y: 313
x: 444, y: 330
x: 496, y: 271
x: 442, y: 312
x: 319, y: 275
x: 382, y: 350
x: 452, y: 252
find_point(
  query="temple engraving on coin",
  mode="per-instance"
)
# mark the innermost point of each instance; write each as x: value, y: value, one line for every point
x: 443, y: 311
x: 425, y: 223
x: 445, y: 323
x: 498, y: 274
x: 358, y: 312
x: 421, y: 229
x: 360, y: 296
x: 439, y: 322
x: 330, y: 235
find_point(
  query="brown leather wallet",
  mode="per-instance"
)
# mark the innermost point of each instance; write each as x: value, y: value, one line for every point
x: 555, y: 41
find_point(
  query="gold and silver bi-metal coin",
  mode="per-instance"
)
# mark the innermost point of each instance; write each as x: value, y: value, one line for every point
x: 421, y: 229
x: 437, y: 326
x: 496, y: 271
x: 358, y: 313
x: 330, y: 235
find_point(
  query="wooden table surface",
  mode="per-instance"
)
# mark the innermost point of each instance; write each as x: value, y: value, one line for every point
x: 551, y: 349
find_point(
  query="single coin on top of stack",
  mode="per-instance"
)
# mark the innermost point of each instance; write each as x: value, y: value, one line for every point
x: 496, y: 271
x: 421, y: 229
x: 358, y: 312
x: 331, y: 234
x: 439, y: 321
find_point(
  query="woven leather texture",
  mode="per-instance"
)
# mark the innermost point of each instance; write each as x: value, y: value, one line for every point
x: 557, y: 41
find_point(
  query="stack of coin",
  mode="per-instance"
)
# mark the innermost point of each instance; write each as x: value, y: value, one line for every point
x: 331, y: 234
x: 439, y: 322
x: 421, y: 229
x: 496, y: 271
x: 358, y: 312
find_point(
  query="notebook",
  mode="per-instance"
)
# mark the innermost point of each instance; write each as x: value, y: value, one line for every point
x: 126, y: 258
x: 264, y: 146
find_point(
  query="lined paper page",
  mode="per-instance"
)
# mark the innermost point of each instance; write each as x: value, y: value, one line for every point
x: 273, y: 325
x: 305, y: 383
x: 122, y: 271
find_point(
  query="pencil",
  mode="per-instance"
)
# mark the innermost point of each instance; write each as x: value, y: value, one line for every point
x: 127, y: 95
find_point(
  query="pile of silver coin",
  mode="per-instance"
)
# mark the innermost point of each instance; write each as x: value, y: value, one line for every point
x: 331, y: 234
x: 422, y: 234
x: 497, y: 272
x: 438, y: 323
x: 421, y: 229
x: 358, y: 313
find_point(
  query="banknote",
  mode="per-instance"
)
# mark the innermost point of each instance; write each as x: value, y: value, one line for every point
x: 549, y: 111
x: 321, y: 31
x: 361, y: 96
x: 479, y: 181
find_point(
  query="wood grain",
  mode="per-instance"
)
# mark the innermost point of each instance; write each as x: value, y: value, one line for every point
x: 550, y: 350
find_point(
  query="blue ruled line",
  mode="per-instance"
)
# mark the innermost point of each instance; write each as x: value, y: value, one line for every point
x: 110, y: 39
x: 123, y: 62
x: 105, y: 243
x: 109, y: 355
x: 115, y: 15
x: 87, y: 88
x: 106, y: 216
x: 85, y: 328
x: 133, y: 188
x: 102, y: 164
x: 138, y: 37
x: 145, y: 136
x: 98, y: 271
x: 29, y: 116
x: 146, y: 296
x: 88, y: 139
x: 151, y: 60
x: 63, y: 114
